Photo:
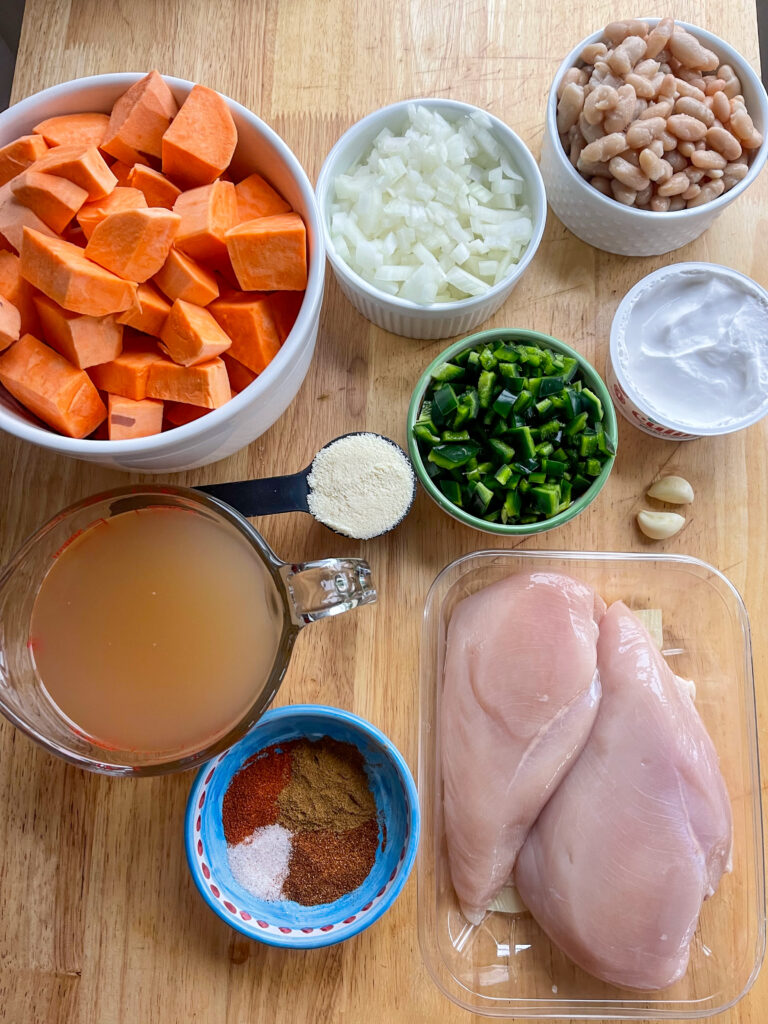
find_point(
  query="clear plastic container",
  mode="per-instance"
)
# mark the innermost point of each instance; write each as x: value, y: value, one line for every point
x: 507, y: 967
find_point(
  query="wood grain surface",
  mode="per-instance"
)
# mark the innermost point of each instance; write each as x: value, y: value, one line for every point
x: 99, y: 920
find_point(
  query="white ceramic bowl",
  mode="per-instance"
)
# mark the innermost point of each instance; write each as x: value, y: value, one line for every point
x: 244, y: 418
x: 628, y: 398
x: 400, y: 316
x: 607, y: 224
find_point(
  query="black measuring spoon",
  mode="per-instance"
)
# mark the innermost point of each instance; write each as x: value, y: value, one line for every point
x: 275, y: 494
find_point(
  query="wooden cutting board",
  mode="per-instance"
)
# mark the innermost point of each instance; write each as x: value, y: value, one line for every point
x: 99, y: 921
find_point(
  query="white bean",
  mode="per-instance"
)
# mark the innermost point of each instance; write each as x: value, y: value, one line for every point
x: 617, y: 31
x: 659, y: 37
x: 569, y: 107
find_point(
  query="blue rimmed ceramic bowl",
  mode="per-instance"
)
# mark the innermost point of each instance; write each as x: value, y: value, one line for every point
x: 290, y: 924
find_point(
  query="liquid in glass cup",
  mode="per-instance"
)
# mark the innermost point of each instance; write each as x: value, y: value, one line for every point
x: 143, y: 630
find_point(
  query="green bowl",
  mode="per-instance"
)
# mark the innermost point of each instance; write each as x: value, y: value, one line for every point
x: 590, y: 376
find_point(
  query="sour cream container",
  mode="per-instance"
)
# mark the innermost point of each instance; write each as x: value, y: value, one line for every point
x: 689, y: 352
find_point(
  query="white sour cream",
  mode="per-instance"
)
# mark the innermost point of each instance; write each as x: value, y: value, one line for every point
x: 693, y: 347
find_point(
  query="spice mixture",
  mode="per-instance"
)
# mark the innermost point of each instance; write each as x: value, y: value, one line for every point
x: 300, y: 822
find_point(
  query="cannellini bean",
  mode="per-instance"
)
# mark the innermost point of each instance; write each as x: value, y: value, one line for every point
x: 622, y: 194
x: 598, y: 101
x: 617, y: 31
x: 644, y: 87
x: 684, y: 89
x: 689, y: 51
x: 575, y: 149
x: 647, y: 68
x: 691, y: 192
x: 628, y: 174
x: 661, y: 109
x: 685, y: 127
x: 676, y: 203
x: 569, y: 107
x: 675, y: 186
x: 654, y: 167
x: 673, y: 489
x: 742, y: 126
x: 644, y: 197
x: 642, y: 132
x: 660, y: 525
x: 732, y: 85
x: 629, y: 51
x: 590, y: 170
x: 693, y: 78
x: 737, y: 170
x: 592, y: 51
x: 695, y: 108
x: 721, y: 108
x: 590, y: 131
x: 687, y: 149
x: 721, y: 140
x: 660, y: 204
x: 714, y: 86
x: 694, y: 174
x: 640, y: 107
x: 676, y: 160
x: 601, y: 184
x: 657, y: 81
x: 714, y: 174
x: 657, y: 147
x: 668, y: 141
x: 576, y: 75
x: 668, y: 85
x: 605, y: 148
x: 659, y: 37
x: 708, y: 160
x: 710, y: 191
x: 616, y: 120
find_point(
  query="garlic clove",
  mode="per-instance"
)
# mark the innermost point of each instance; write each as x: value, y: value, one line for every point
x: 659, y: 525
x: 674, y: 489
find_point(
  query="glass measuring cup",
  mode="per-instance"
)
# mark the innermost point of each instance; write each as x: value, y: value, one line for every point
x: 304, y: 593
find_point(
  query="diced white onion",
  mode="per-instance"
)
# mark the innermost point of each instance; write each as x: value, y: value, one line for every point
x: 435, y: 214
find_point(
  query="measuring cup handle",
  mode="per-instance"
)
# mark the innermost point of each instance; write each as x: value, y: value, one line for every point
x: 328, y: 586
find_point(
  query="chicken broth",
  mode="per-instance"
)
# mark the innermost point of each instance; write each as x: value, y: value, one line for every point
x: 155, y: 630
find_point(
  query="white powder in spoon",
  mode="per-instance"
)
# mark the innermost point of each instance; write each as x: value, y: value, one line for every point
x: 361, y: 485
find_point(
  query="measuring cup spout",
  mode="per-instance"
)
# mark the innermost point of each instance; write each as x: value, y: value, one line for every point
x: 328, y: 586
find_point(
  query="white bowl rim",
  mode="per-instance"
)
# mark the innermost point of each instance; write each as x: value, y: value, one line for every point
x: 155, y: 444
x: 530, y: 173
x: 742, y: 68
x: 627, y: 385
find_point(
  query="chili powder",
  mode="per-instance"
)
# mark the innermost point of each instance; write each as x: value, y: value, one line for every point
x: 250, y: 801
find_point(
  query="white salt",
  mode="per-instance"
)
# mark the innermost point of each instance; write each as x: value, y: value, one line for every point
x: 361, y: 485
x: 260, y: 862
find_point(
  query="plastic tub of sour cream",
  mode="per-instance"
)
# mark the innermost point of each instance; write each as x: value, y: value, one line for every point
x: 689, y: 352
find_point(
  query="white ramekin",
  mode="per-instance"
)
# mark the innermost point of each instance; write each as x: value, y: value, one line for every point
x: 627, y: 399
x: 400, y: 316
x: 607, y: 224
x: 252, y: 412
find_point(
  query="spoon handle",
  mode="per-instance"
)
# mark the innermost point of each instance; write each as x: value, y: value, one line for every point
x: 264, y: 497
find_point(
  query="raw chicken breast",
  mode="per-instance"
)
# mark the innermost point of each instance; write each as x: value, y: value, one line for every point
x: 520, y: 695
x: 639, y: 832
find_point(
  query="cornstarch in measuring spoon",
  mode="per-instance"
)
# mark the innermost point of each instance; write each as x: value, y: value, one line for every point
x: 361, y: 486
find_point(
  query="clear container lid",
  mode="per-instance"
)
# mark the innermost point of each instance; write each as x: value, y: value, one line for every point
x: 507, y: 966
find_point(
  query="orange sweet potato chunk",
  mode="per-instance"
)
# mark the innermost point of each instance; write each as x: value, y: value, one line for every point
x: 157, y: 189
x: 207, y: 213
x: 270, y: 253
x: 205, y: 384
x: 18, y: 291
x: 149, y: 313
x: 181, y: 277
x: 50, y: 387
x: 201, y: 140
x: 140, y: 118
x: 10, y: 324
x: 239, y: 375
x: 257, y: 198
x: 121, y: 171
x: 178, y: 414
x: 134, y: 244
x: 285, y: 308
x: 83, y: 340
x: 14, y: 217
x: 127, y: 375
x: 127, y: 418
x: 120, y: 198
x: 248, y: 320
x: 19, y: 154
x: 82, y: 164
x: 190, y: 335
x: 62, y: 272
x: 55, y: 200
x: 73, y: 129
